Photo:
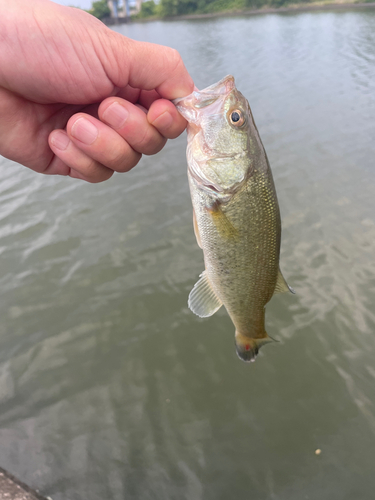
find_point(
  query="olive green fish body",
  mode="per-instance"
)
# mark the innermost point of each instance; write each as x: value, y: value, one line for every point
x: 241, y: 242
x: 237, y: 219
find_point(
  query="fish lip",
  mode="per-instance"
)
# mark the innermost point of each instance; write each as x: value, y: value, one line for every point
x: 222, y: 87
x: 201, y: 98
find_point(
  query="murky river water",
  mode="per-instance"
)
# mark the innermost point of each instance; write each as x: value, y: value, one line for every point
x: 110, y: 388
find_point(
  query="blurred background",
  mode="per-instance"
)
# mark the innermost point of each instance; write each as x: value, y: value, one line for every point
x: 110, y: 387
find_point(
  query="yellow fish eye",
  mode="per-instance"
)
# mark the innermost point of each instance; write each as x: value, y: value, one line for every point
x: 236, y: 118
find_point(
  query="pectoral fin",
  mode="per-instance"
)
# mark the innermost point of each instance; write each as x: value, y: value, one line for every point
x: 203, y: 301
x: 223, y: 225
x: 281, y: 285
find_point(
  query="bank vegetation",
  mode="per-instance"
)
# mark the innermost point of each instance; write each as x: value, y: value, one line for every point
x: 173, y: 8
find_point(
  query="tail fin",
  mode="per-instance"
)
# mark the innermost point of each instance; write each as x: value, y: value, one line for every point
x: 247, y: 347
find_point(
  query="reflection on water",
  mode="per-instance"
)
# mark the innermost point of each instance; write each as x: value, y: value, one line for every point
x: 110, y: 387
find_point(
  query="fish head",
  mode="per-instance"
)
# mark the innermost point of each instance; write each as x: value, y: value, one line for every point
x: 221, y: 135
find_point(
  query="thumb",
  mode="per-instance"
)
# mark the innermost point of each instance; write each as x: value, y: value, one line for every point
x: 148, y: 66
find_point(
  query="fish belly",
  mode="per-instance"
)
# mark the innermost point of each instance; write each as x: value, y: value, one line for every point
x: 241, y: 242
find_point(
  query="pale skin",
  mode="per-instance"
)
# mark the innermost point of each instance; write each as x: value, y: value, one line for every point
x: 78, y: 99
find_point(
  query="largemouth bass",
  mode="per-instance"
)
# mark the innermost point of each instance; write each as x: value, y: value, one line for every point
x: 236, y: 213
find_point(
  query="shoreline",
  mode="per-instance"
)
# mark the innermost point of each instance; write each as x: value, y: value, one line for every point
x: 14, y: 489
x: 314, y: 6
x: 274, y: 10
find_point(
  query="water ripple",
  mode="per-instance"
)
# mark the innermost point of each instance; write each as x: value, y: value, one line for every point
x: 110, y: 387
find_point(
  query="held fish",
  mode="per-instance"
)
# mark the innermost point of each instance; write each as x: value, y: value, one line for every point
x: 235, y: 210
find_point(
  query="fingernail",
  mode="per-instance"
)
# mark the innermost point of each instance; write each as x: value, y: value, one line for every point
x: 115, y: 115
x: 164, y: 121
x: 84, y: 131
x: 60, y: 140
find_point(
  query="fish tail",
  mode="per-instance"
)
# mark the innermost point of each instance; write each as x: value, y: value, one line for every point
x: 248, y: 347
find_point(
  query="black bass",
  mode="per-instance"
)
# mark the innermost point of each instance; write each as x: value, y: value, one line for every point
x: 236, y: 213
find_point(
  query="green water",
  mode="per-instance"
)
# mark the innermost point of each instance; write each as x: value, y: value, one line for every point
x: 110, y: 388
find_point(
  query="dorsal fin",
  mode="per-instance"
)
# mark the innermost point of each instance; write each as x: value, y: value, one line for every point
x: 203, y: 301
x: 281, y: 285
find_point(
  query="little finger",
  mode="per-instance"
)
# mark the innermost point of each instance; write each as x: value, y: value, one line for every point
x: 68, y: 155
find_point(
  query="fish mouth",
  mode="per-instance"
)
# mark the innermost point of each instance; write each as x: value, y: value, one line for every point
x: 199, y: 148
x: 222, y: 87
x: 188, y: 106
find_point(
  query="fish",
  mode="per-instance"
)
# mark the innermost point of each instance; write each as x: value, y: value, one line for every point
x: 236, y: 214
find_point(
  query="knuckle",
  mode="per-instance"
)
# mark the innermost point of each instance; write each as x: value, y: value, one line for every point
x: 142, y: 140
x: 130, y: 164
x: 175, y: 58
x: 99, y: 176
x: 124, y: 162
x: 155, y: 147
x: 173, y: 134
x: 85, y: 165
x: 150, y: 142
x: 92, y: 171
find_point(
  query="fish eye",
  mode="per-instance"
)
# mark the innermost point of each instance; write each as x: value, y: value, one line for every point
x: 237, y: 118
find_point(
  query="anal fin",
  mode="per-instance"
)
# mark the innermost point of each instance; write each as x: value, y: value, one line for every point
x: 281, y: 285
x: 203, y: 300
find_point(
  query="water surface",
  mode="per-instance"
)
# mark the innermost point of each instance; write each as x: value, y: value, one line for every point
x: 110, y: 387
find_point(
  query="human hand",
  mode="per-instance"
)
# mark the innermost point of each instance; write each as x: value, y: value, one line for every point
x: 79, y: 99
